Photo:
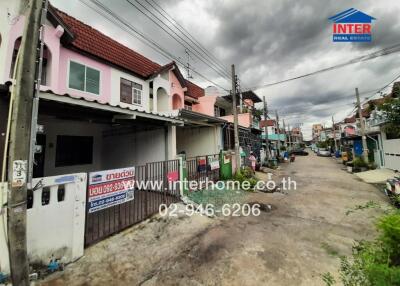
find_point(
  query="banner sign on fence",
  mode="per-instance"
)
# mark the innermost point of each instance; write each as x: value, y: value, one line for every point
x: 110, y: 188
x: 213, y: 162
x: 173, y: 176
x: 201, y: 164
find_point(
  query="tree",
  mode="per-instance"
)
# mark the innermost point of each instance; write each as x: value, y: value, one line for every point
x: 391, y: 111
x: 396, y: 90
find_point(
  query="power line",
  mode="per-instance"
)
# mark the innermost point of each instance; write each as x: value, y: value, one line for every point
x: 185, y: 32
x: 122, y: 24
x: 161, y: 24
x: 386, y: 51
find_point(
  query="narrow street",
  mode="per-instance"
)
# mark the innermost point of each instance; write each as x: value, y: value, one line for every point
x: 301, y: 238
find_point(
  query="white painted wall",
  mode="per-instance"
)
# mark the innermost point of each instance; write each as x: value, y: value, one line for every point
x: 54, y: 127
x: 9, y: 11
x: 133, y: 149
x: 171, y: 142
x: 116, y: 76
x: 196, y: 141
x: 391, y: 150
x: 54, y: 229
x: 163, y: 82
x: 57, y: 228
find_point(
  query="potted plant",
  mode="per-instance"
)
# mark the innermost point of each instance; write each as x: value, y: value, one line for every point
x: 360, y: 165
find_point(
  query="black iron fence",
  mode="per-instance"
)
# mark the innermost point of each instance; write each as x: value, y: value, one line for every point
x: 154, y: 186
x: 202, y: 167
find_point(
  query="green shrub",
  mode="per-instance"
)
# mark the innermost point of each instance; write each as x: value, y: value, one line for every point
x: 360, y: 163
x: 375, y: 262
x: 247, y: 172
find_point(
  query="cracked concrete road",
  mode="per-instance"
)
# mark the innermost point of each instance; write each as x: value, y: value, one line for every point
x: 301, y: 238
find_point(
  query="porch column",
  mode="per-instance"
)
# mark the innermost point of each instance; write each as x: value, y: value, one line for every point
x: 171, y: 143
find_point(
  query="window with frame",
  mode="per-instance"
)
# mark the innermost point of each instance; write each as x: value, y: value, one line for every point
x: 84, y: 78
x: 218, y: 111
x: 131, y: 92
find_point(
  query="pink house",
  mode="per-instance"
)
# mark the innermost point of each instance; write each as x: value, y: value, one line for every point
x: 101, y: 102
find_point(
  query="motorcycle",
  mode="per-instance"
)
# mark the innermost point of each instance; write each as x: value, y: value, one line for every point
x: 392, y: 189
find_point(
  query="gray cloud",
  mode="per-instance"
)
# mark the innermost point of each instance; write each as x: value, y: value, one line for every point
x: 270, y: 41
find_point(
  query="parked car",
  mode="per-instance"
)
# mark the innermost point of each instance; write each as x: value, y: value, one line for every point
x: 323, y: 152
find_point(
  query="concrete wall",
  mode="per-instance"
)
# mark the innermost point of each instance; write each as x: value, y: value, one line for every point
x: 196, y: 141
x: 115, y: 99
x: 162, y: 81
x: 391, y: 150
x: 54, y: 127
x: 205, y: 105
x: 62, y: 234
x: 109, y: 152
x: 244, y: 119
x: 177, y: 92
x: 133, y: 149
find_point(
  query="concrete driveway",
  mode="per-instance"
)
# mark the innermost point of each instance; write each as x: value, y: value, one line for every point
x: 293, y: 244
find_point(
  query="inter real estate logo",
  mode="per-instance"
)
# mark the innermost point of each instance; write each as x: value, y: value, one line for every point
x: 352, y: 26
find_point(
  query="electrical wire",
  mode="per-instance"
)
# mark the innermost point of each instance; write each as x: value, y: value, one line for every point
x: 185, y: 32
x: 161, y: 24
x: 125, y: 26
x: 386, y: 51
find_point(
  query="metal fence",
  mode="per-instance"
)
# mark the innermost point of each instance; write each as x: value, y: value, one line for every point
x: 200, y: 168
x: 155, y: 181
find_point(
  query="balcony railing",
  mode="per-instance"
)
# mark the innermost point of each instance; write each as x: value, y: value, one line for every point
x: 376, y: 121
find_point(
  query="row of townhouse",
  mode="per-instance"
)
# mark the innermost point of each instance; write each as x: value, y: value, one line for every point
x: 106, y: 109
x: 277, y: 135
x: 103, y: 105
x: 383, y: 147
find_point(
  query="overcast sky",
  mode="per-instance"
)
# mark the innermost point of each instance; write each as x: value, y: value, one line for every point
x: 268, y: 41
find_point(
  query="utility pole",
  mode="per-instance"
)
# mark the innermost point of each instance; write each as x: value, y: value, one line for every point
x: 235, y: 120
x: 19, y: 148
x: 364, y: 138
x: 266, y: 129
x: 290, y: 137
x: 279, y: 132
x: 334, y: 134
x: 284, y: 130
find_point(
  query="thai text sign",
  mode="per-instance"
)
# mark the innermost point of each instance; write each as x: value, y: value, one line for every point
x: 213, y: 162
x: 110, y: 188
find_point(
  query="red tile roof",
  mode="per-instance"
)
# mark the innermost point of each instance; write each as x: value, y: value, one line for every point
x: 194, y: 90
x: 92, y: 41
x: 350, y: 119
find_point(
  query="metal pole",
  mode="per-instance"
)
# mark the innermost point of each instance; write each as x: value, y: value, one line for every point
x: 266, y: 129
x: 363, y: 137
x: 279, y: 132
x: 334, y: 134
x: 19, y: 151
x: 284, y: 130
x: 235, y: 119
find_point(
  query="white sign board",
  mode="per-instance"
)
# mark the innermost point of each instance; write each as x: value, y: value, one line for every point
x: 110, y: 188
